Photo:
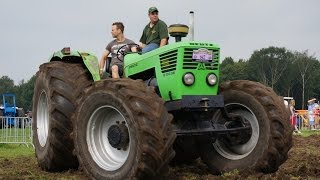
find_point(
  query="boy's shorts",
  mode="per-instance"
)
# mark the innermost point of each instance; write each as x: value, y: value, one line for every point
x: 120, y: 68
x: 311, y: 123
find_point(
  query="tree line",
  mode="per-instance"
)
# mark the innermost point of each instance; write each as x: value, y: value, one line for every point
x: 294, y: 74
x: 288, y: 73
x: 23, y: 91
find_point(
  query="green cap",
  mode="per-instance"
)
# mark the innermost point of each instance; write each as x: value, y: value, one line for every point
x: 153, y: 9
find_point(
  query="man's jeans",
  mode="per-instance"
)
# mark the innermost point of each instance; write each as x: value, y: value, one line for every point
x: 149, y: 47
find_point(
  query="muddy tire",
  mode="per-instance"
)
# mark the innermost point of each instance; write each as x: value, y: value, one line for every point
x: 271, y: 134
x: 123, y: 131
x: 57, y: 87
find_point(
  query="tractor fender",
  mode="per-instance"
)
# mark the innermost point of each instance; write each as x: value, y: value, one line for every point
x: 89, y: 60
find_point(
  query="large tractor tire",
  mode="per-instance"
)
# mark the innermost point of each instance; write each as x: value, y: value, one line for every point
x: 266, y: 146
x: 123, y: 131
x: 58, y: 85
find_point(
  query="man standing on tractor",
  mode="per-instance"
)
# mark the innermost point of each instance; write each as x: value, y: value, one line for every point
x: 113, y: 47
x: 155, y: 34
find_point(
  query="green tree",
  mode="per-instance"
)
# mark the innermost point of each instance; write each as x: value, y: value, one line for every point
x: 6, y: 85
x: 288, y: 81
x: 268, y: 65
x: 231, y: 70
x: 308, y: 70
x: 227, y: 61
x: 24, y: 92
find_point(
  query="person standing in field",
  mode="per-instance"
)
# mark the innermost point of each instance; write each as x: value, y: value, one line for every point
x: 311, y: 105
x: 293, y: 116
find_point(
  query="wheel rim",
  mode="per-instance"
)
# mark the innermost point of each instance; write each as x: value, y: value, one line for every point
x: 236, y: 152
x: 42, y: 119
x: 102, y: 152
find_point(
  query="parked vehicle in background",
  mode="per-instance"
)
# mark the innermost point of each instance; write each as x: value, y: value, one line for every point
x: 9, y: 109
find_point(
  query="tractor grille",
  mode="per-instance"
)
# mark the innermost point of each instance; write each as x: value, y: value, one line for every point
x: 188, y: 63
x: 168, y: 61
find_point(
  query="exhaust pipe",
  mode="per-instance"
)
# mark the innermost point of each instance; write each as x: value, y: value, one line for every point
x: 191, y: 26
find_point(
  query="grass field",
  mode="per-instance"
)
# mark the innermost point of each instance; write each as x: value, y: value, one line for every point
x: 306, y: 133
x: 15, y: 150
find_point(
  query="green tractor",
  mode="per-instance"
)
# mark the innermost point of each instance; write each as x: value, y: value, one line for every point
x: 168, y: 108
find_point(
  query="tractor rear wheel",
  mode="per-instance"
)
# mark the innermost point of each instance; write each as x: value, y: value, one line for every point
x: 266, y: 146
x: 123, y: 131
x: 58, y: 85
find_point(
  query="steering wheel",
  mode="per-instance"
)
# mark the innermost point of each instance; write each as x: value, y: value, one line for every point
x: 121, y: 50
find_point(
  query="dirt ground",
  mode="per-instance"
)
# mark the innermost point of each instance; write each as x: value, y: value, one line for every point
x: 303, y: 163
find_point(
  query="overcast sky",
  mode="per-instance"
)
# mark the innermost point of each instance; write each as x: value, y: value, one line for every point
x: 30, y: 31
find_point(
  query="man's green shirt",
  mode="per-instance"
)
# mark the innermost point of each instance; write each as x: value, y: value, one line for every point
x: 155, y: 34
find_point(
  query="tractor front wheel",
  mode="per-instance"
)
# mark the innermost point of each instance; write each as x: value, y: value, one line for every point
x: 57, y: 87
x: 123, y: 131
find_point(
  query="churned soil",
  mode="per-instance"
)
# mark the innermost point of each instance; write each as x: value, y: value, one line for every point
x: 303, y: 163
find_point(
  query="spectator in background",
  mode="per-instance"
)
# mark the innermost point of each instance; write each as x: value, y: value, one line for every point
x: 316, y: 112
x: 293, y: 116
x: 29, y: 114
x: 311, y: 106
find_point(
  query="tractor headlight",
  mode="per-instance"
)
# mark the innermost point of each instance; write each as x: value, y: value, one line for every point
x: 211, y: 79
x: 188, y: 79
